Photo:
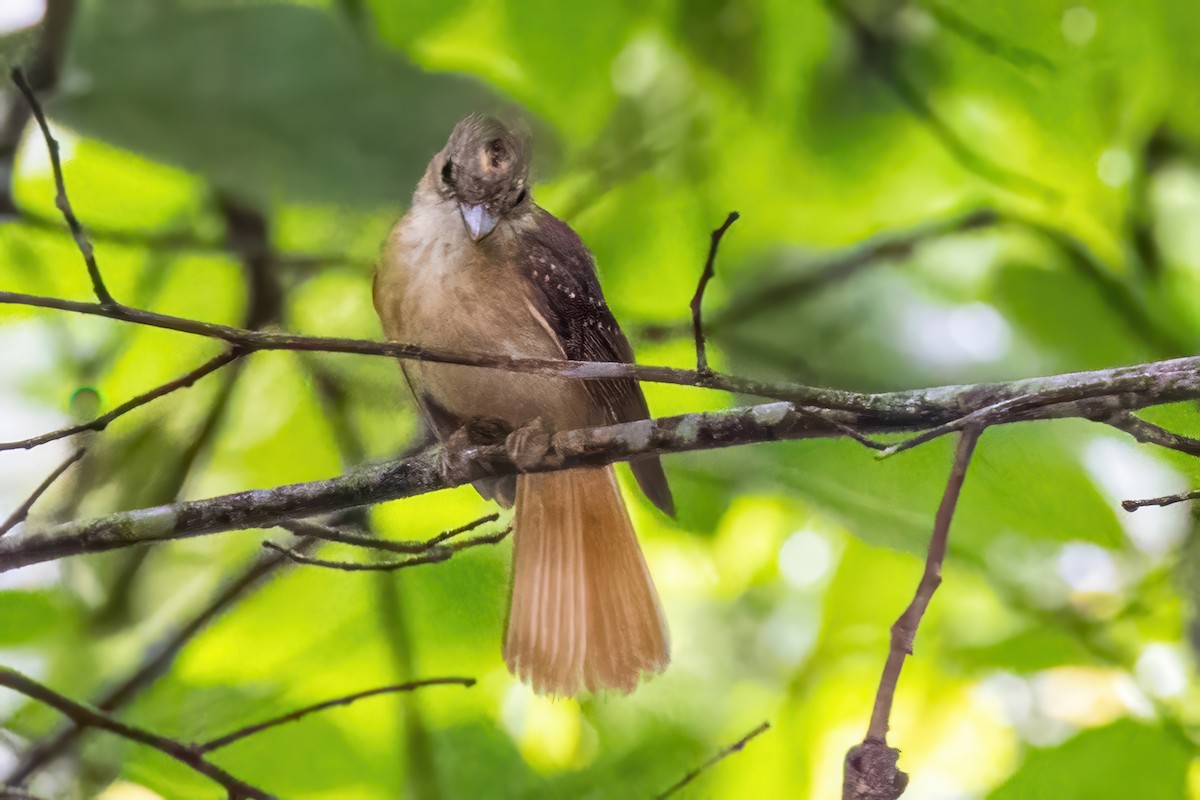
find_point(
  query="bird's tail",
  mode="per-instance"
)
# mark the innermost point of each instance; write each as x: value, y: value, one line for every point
x: 584, y: 611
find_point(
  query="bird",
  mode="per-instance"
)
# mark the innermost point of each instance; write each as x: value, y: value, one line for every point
x: 476, y: 266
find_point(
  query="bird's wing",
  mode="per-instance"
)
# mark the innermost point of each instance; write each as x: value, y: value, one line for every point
x: 566, y: 293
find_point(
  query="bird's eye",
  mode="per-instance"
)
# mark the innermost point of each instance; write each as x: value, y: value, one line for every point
x: 520, y: 197
x: 448, y: 173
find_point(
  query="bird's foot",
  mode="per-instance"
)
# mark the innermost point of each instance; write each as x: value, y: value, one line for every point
x: 528, y: 445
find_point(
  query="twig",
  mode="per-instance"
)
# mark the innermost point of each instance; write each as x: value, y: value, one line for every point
x: 434, y: 554
x: 842, y: 428
x: 61, y: 200
x: 250, y: 730
x: 1011, y: 408
x: 698, y: 297
x: 44, y: 68
x: 905, y: 629
x: 874, y: 50
x: 1016, y: 408
x: 723, y: 754
x: 980, y: 417
x: 22, y: 511
x: 101, y: 422
x: 88, y: 717
x: 870, y: 768
x: 304, y: 527
x: 470, y: 526
x: 1165, y: 500
x: 1149, y: 433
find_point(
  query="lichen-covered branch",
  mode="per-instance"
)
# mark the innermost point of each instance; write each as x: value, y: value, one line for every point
x: 1090, y: 395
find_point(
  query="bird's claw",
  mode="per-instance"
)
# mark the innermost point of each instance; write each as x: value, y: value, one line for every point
x: 528, y: 445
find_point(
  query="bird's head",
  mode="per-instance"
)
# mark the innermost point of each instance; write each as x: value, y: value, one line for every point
x: 484, y: 168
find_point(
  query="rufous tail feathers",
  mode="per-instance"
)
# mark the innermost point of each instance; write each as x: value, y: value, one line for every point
x: 584, y: 612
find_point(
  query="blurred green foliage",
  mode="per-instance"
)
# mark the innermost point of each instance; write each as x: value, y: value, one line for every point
x: 1055, y: 660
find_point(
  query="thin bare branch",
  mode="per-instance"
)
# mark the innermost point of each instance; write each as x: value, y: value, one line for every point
x: 870, y: 768
x: 22, y: 511
x: 250, y: 730
x: 724, y: 753
x: 44, y: 67
x: 433, y: 554
x: 698, y: 298
x: 1149, y: 433
x: 905, y: 629
x: 1010, y: 408
x: 89, y: 717
x: 101, y: 422
x: 1165, y: 500
x: 482, y: 539
x: 61, y: 200
x: 1116, y: 293
x: 842, y: 428
x: 303, y: 527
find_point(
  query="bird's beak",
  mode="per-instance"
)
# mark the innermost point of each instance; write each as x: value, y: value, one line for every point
x: 479, y: 219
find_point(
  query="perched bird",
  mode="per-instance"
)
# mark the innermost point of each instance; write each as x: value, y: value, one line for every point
x: 475, y: 266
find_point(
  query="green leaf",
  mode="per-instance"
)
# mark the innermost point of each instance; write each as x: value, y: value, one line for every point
x: 1125, y: 759
x: 295, y: 106
x: 1030, y: 650
x: 31, y: 616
